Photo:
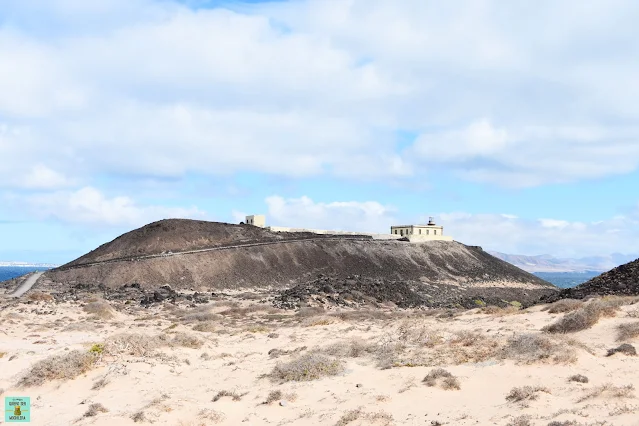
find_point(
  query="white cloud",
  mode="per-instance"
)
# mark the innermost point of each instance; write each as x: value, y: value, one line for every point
x: 303, y: 212
x: 321, y: 86
x: 88, y: 206
x: 544, y: 236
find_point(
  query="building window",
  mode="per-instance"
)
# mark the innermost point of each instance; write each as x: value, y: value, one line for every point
x: 427, y: 232
x: 420, y: 231
x: 435, y: 231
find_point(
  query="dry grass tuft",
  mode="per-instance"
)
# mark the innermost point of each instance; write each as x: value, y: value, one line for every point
x: 138, y: 417
x: 206, y: 327
x: 627, y: 331
x: 524, y: 420
x: 94, y: 409
x: 530, y: 348
x: 624, y: 348
x: 353, y: 348
x: 587, y: 315
x: 273, y: 396
x: 563, y: 306
x: 525, y: 393
x: 143, y: 345
x: 100, y: 383
x: 443, y: 378
x: 609, y: 390
x: 58, y: 367
x: 232, y: 394
x: 579, y: 378
x: 211, y: 415
x: 310, y: 366
x: 38, y: 296
x: 100, y: 308
x: 380, y: 418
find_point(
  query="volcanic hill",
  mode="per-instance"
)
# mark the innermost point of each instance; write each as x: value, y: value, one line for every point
x: 622, y: 281
x: 218, y: 257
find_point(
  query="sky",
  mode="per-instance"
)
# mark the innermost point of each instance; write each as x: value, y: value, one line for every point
x: 514, y: 124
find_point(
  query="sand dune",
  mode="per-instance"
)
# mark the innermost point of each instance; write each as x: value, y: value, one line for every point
x: 234, y: 362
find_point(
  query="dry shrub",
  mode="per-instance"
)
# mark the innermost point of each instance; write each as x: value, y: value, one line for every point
x: 232, y: 394
x: 633, y: 313
x: 443, y: 378
x: 421, y: 335
x: 138, y: 416
x: 318, y: 321
x: 584, y: 317
x: 184, y: 340
x: 99, y: 308
x: 94, y: 409
x: 100, y: 383
x: 353, y: 348
x: 361, y: 315
x: 58, y: 367
x: 624, y: 348
x: 380, y: 418
x: 276, y: 353
x: 273, y: 396
x: 306, y: 312
x: 142, y: 345
x: 200, y: 313
x: 133, y: 344
x: 564, y: 305
x: 38, y: 296
x: 609, y: 390
x: 206, y: 327
x: 524, y: 420
x: 627, y: 331
x: 579, y: 378
x: 237, y: 311
x: 530, y: 348
x: 564, y: 423
x: 310, y: 366
x: 211, y: 415
x: 498, y: 311
x: 525, y: 393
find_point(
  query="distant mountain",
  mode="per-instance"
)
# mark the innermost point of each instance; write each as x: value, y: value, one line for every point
x: 548, y: 263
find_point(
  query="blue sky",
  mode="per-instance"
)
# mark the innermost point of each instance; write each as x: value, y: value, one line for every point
x: 515, y: 125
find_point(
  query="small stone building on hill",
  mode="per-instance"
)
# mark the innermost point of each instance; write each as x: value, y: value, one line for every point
x: 417, y: 233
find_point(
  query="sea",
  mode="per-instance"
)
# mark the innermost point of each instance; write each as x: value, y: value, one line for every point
x: 8, y: 272
x: 567, y: 279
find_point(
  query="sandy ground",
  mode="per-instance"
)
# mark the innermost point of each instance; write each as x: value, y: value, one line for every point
x: 384, y: 357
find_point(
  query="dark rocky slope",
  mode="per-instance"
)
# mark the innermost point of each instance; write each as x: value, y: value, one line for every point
x: 436, y: 272
x: 622, y: 281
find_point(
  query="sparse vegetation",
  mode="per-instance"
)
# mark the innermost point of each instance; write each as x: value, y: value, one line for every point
x: 94, y: 409
x: 564, y: 305
x: 100, y: 309
x: 206, y: 327
x: 211, y: 415
x: 627, y: 331
x: 142, y: 345
x: 38, y: 296
x: 624, y: 348
x: 586, y: 316
x: 273, y: 396
x: 310, y: 366
x: 58, y: 367
x: 525, y: 393
x: 530, y: 348
x: 579, y: 378
x: 443, y: 378
x: 231, y: 394
x: 524, y: 420
x: 381, y: 418
x: 609, y: 390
